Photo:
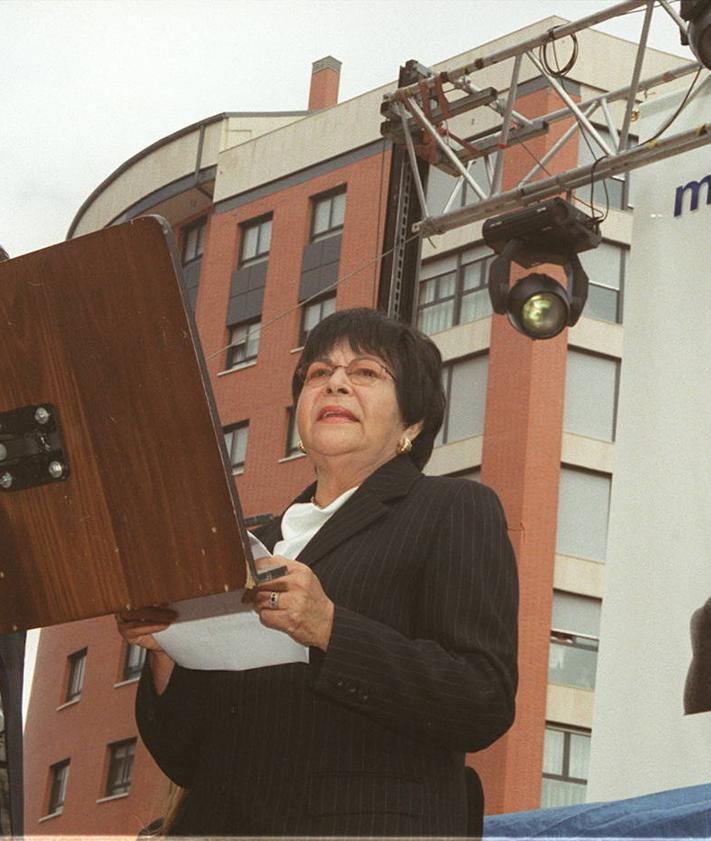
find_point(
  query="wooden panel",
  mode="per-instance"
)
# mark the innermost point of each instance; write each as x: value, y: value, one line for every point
x: 97, y: 326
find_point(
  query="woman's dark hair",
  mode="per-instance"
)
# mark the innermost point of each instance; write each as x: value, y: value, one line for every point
x: 412, y: 356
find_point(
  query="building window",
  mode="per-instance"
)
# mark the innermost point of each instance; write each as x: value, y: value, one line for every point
x: 575, y: 630
x: 465, y: 387
x: 59, y: 774
x: 583, y: 510
x: 194, y: 241
x: 76, y: 666
x: 249, y: 279
x: 591, y: 386
x: 313, y: 313
x: 454, y: 290
x: 328, y: 214
x: 133, y: 662
x: 256, y: 240
x: 437, y: 296
x: 244, y: 343
x: 566, y: 757
x: 605, y: 267
x: 236, y: 443
x: 118, y: 779
x: 193, y: 237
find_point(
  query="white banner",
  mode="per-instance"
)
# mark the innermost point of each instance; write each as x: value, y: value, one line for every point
x: 659, y: 546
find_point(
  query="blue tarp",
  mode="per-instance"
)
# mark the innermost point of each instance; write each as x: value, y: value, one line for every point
x: 679, y: 813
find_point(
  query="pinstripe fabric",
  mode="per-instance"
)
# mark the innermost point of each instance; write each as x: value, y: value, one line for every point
x: 368, y: 738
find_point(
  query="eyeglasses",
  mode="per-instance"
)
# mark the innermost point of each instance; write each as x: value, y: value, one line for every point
x: 361, y: 372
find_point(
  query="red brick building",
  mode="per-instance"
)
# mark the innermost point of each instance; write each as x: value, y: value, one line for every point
x: 280, y: 218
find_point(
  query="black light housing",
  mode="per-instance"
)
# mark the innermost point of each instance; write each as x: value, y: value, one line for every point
x: 698, y: 14
x: 550, y: 232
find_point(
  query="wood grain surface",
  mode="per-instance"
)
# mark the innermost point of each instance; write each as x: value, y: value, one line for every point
x: 97, y: 326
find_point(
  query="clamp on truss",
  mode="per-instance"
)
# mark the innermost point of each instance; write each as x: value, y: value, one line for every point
x: 417, y: 115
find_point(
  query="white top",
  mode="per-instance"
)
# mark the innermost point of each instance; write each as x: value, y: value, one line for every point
x: 302, y: 520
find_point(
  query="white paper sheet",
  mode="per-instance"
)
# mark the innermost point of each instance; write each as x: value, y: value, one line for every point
x: 220, y: 632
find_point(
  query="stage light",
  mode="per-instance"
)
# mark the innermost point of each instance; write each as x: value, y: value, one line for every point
x: 698, y: 13
x: 550, y: 232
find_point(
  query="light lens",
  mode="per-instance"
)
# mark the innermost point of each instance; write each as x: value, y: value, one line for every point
x: 538, y: 306
x: 544, y: 315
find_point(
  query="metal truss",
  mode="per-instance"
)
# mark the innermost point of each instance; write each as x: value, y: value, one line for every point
x: 417, y: 117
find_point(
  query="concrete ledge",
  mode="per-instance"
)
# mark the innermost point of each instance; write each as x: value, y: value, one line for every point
x: 592, y: 453
x: 113, y: 797
x: 455, y: 457
x: 579, y: 575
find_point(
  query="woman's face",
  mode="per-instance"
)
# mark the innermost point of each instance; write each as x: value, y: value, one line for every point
x: 338, y: 418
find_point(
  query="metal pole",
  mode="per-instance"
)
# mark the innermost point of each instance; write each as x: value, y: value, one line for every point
x: 513, y: 88
x: 498, y: 105
x: 447, y: 151
x: 562, y: 140
x: 554, y: 34
x: 455, y: 192
x: 573, y: 106
x: 539, y: 190
x: 620, y: 93
x: 675, y: 16
x: 413, y: 161
x: 631, y: 98
x: 610, y: 124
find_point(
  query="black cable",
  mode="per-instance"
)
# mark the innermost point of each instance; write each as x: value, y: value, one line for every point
x: 678, y: 110
x: 585, y: 204
x: 598, y: 219
x: 592, y: 182
x: 559, y: 71
x: 537, y: 160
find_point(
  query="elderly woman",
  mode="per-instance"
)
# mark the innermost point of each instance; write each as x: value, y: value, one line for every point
x: 404, y: 588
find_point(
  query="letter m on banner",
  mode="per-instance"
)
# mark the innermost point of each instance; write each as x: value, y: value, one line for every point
x: 694, y: 187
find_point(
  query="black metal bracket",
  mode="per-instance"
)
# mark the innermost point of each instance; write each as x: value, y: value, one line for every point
x: 31, y: 448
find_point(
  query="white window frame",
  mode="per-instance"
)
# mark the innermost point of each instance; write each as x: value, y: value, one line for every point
x: 240, y: 335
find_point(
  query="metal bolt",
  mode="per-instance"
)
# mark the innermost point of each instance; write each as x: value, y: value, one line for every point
x: 41, y: 415
x: 56, y: 469
x: 3, y: 452
x: 6, y: 480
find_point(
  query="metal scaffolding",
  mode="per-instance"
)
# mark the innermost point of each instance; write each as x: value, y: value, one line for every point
x: 417, y: 119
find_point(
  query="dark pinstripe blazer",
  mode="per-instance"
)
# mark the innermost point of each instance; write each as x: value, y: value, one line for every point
x: 368, y: 738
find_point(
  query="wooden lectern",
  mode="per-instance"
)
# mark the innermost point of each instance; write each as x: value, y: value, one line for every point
x: 115, y: 490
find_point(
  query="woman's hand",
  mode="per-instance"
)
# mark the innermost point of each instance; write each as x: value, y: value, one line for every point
x: 296, y: 604
x: 138, y: 626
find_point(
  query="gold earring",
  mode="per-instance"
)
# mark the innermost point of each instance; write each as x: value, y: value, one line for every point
x: 404, y: 445
x: 300, y: 446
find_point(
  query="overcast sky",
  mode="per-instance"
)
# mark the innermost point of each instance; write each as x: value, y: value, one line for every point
x: 85, y: 84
